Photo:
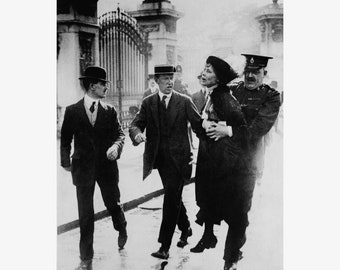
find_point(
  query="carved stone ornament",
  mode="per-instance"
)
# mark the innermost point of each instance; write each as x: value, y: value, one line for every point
x: 150, y: 27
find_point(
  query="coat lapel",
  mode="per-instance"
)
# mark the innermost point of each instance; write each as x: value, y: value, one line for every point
x: 173, y: 108
x: 101, y: 115
x: 82, y: 113
x: 154, y: 109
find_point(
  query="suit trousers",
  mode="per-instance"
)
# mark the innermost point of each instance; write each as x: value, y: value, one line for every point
x: 174, y: 212
x: 86, y: 214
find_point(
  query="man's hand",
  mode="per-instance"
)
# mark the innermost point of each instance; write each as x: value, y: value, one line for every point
x: 67, y: 168
x: 140, y: 137
x: 112, y: 152
x: 217, y: 131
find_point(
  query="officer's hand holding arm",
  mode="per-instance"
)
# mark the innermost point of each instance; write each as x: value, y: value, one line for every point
x: 218, y: 130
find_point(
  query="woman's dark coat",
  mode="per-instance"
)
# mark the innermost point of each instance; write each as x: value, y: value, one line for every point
x: 220, y: 188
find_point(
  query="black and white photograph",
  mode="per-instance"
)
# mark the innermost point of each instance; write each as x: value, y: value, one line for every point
x: 170, y: 134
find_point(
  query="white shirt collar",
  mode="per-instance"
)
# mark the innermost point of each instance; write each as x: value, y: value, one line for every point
x: 210, y: 89
x: 167, y: 96
x: 89, y: 100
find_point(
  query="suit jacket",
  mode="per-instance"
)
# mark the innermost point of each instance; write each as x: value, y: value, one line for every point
x: 89, y: 161
x: 199, y: 100
x: 148, y: 92
x: 181, y: 110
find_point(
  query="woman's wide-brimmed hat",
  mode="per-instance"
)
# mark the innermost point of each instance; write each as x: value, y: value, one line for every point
x: 95, y: 72
x: 224, y: 72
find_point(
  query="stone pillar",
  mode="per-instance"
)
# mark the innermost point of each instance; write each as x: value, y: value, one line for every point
x: 159, y: 19
x: 77, y: 48
x: 270, y: 20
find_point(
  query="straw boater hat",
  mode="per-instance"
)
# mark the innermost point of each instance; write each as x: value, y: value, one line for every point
x: 164, y: 70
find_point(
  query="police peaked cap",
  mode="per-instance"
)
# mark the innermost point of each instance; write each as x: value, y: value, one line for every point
x: 224, y: 72
x: 254, y: 61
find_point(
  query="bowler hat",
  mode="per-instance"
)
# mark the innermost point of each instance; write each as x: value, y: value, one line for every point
x: 254, y: 61
x: 164, y: 69
x: 95, y: 72
x: 224, y: 72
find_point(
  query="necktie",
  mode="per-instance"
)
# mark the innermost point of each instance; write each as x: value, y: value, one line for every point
x: 92, y: 107
x: 163, y: 101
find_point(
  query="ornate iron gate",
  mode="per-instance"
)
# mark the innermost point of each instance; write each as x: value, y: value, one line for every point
x: 123, y: 50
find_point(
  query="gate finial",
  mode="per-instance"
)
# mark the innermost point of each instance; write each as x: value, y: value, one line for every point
x: 118, y: 9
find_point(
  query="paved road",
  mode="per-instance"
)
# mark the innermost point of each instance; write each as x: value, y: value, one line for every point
x: 131, y: 184
x: 263, y: 250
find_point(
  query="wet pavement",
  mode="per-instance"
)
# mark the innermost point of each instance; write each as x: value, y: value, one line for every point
x: 263, y: 249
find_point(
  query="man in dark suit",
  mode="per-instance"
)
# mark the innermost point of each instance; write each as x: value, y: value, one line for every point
x: 179, y: 86
x: 199, y: 97
x: 153, y: 87
x: 164, y: 116
x: 98, y: 142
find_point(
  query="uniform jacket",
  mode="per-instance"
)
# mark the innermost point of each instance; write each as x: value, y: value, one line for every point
x: 261, y: 108
x: 199, y: 100
x: 181, y: 110
x: 89, y: 159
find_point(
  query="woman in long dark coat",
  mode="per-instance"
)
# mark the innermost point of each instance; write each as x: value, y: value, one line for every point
x: 221, y: 161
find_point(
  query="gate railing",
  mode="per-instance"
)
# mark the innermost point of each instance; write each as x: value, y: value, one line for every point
x: 123, y: 52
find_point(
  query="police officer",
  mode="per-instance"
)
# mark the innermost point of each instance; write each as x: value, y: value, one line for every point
x: 260, y: 104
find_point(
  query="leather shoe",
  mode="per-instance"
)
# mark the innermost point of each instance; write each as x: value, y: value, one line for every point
x: 230, y: 266
x: 85, y: 265
x: 183, y: 240
x: 161, y: 254
x: 233, y: 265
x: 122, y: 238
x: 205, y: 243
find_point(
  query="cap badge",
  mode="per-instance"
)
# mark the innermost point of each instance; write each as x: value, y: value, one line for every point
x: 251, y: 60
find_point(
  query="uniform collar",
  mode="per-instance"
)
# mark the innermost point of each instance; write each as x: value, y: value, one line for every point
x: 256, y: 89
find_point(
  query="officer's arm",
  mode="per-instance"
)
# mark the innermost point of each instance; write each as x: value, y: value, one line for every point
x: 267, y: 115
